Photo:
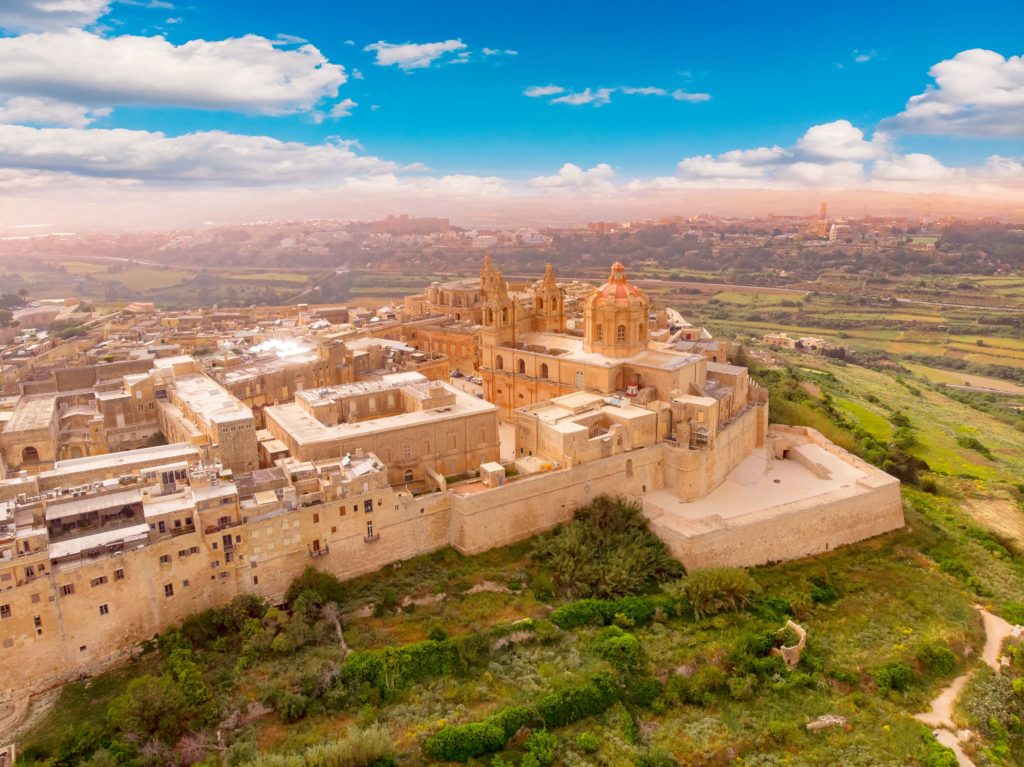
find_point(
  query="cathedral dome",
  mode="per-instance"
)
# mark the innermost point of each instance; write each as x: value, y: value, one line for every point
x: 617, y: 291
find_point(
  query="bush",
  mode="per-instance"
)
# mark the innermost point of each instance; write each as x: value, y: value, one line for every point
x: 370, y: 747
x: 292, y: 707
x: 572, y: 704
x: 607, y: 551
x: 541, y: 746
x: 620, y: 649
x: 937, y: 658
x: 719, y: 589
x: 895, y: 675
x: 699, y: 688
x: 149, y: 707
x: 465, y: 741
x: 588, y: 742
x: 638, y: 611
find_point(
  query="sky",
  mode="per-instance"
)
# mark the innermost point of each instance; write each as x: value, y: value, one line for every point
x: 137, y: 113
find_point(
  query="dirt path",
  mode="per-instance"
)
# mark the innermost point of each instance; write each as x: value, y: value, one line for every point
x: 940, y: 717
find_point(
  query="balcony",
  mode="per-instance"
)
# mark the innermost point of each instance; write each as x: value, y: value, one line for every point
x: 372, y: 537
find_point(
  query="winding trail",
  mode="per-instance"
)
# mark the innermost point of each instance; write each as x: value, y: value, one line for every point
x: 940, y: 717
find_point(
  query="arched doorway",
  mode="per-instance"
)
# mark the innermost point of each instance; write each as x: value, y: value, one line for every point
x: 30, y: 455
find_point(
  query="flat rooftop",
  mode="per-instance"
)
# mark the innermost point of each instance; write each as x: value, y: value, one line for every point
x: 128, y: 459
x: 305, y: 429
x: 571, y: 348
x: 209, y: 400
x: 759, y: 489
x: 32, y: 412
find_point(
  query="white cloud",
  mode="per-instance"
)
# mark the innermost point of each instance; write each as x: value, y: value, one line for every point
x: 248, y: 73
x: 357, y: 75
x: 216, y: 157
x: 912, y: 167
x: 572, y: 176
x: 537, y: 91
x: 977, y: 93
x: 598, y: 97
x: 691, y: 98
x: 43, y: 15
x: 737, y: 164
x: 412, y: 55
x: 27, y: 110
x: 343, y: 109
x: 648, y: 91
x: 840, y: 140
x: 863, y: 57
x: 499, y: 52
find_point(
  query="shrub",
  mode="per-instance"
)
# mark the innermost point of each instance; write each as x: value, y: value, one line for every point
x: 642, y: 691
x: 541, y: 746
x: 619, y: 648
x: 572, y: 704
x: 895, y: 675
x: 937, y: 658
x: 719, y: 589
x: 607, y: 551
x: 370, y: 747
x: 292, y: 707
x: 465, y: 741
x: 699, y: 688
x: 588, y: 742
x: 638, y: 611
x: 149, y: 707
x: 823, y: 592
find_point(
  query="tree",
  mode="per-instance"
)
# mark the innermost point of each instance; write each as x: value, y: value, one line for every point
x: 150, y: 706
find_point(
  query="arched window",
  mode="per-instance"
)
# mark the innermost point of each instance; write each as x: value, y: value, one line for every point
x: 640, y: 330
x: 540, y: 304
x: 579, y: 379
x: 544, y: 370
x: 504, y: 316
x: 490, y: 316
x: 408, y: 475
x: 30, y: 455
x: 499, y: 363
x: 600, y: 332
x: 522, y: 366
x: 620, y: 333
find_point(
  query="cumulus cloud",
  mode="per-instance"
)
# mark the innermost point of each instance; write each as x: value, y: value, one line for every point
x: 27, y: 110
x: 573, y: 177
x: 913, y: 167
x: 44, y: 15
x: 212, y: 156
x: 976, y: 93
x: 598, y: 97
x: 832, y: 154
x: 343, y: 109
x: 248, y: 73
x: 409, y: 56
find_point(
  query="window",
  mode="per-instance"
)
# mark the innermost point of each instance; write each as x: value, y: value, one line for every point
x: 255, y: 580
x: 369, y: 529
x: 579, y: 379
x: 168, y: 590
x: 35, y: 599
x: 408, y: 475
x: 368, y: 505
x: 406, y: 451
x: 620, y: 333
x: 316, y: 519
x: 98, y: 581
x: 184, y: 583
x: 162, y: 527
x: 165, y: 559
x: 522, y: 367
x: 499, y: 363
x: 5, y: 611
x: 38, y: 621
x: 104, y: 609
x: 600, y: 332
x: 544, y: 370
x: 119, y: 574
x: 67, y: 589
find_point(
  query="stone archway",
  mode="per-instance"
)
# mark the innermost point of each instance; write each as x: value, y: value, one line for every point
x: 30, y: 455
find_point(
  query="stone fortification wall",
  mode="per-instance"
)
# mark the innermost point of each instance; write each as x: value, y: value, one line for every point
x: 525, y: 506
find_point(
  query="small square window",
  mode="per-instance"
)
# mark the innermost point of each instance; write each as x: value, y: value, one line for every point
x: 165, y: 559
x: 168, y: 589
x: 35, y: 599
x: 104, y: 609
x: 119, y: 574
x: 5, y: 611
x: 67, y: 589
x: 184, y: 583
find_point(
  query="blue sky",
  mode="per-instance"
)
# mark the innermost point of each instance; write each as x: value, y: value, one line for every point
x: 708, y: 80
x: 771, y: 72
